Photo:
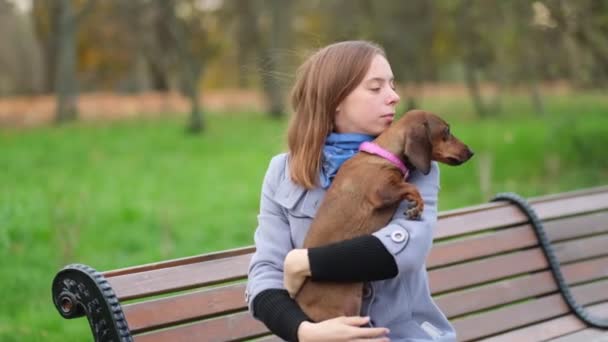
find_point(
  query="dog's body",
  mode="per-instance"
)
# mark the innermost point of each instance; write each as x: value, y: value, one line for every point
x: 364, y: 196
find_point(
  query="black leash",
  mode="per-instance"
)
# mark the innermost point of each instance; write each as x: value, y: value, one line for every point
x: 545, y: 244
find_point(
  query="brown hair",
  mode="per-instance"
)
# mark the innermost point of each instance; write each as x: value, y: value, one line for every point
x: 322, y: 82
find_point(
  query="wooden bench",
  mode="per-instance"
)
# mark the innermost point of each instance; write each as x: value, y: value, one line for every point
x: 486, y: 272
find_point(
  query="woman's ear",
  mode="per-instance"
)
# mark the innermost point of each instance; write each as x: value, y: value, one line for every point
x: 418, y: 148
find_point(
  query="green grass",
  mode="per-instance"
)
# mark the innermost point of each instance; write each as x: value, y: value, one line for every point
x: 124, y: 193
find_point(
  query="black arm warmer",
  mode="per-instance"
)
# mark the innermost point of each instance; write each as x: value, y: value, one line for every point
x: 280, y: 313
x: 356, y: 260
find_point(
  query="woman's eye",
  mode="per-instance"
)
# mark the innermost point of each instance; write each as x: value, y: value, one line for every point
x: 375, y: 89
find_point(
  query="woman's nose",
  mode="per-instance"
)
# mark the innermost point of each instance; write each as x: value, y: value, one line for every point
x: 393, y: 98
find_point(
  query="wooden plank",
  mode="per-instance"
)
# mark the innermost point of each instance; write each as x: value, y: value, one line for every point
x: 551, y: 329
x: 492, y: 268
x: 587, y: 335
x: 573, y: 206
x: 234, y: 327
x: 271, y: 338
x: 159, y: 313
x: 532, y: 311
x: 582, y: 248
x: 522, y: 236
x: 512, y: 290
x: 572, y: 227
x: 181, y: 261
x: 480, y: 246
x: 137, y: 285
x: 497, y: 215
x: 481, y: 271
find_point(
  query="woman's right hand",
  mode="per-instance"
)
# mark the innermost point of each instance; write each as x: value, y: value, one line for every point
x: 341, y: 329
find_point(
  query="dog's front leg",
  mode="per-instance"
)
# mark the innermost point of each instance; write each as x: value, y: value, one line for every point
x: 387, y: 196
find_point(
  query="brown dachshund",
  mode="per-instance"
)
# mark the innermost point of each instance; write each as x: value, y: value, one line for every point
x: 364, y: 196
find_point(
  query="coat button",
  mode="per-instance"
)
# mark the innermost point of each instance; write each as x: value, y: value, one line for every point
x: 398, y: 236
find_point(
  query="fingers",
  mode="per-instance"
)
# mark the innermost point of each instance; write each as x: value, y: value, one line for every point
x: 363, y: 333
x: 355, y: 321
x: 371, y: 332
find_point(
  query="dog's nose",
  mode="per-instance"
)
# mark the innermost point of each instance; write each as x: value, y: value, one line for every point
x: 470, y: 153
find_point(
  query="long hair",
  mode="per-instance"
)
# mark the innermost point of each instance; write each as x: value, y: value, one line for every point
x: 322, y: 82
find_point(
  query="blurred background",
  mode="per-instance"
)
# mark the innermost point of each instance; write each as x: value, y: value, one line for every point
x: 136, y: 131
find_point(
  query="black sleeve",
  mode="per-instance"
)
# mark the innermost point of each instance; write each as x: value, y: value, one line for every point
x: 280, y: 313
x: 356, y: 260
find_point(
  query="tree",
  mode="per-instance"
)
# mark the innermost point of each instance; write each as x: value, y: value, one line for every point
x: 188, y: 27
x: 68, y: 19
x: 21, y: 69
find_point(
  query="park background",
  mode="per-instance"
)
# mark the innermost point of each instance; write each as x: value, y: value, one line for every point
x: 137, y: 131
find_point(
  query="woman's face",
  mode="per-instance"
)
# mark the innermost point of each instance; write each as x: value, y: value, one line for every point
x: 370, y: 107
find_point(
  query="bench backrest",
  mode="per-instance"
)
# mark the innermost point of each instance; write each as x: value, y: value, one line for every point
x: 486, y: 272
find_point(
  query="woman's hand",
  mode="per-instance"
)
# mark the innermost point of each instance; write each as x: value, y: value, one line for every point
x: 295, y: 270
x: 341, y: 329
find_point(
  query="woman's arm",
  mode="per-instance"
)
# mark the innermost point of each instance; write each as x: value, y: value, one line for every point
x: 266, y: 296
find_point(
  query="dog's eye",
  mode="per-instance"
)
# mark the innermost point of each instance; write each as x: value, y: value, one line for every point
x: 446, y: 134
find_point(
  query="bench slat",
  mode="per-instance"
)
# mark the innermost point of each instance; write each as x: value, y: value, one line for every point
x: 183, y: 308
x: 234, y: 327
x: 511, y: 290
x: 587, y: 335
x: 514, y: 238
x: 485, y: 270
x: 271, y: 338
x: 581, y: 248
x: 137, y: 285
x: 532, y: 311
x: 180, y: 261
x: 496, y: 267
x: 497, y: 215
x: 588, y: 224
x: 550, y: 329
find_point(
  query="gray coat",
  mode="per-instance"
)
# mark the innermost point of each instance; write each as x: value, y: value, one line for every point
x: 403, y: 304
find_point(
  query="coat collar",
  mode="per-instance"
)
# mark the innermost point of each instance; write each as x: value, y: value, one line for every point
x: 296, y: 198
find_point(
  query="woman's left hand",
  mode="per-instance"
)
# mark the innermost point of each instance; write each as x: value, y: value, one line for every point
x: 296, y: 268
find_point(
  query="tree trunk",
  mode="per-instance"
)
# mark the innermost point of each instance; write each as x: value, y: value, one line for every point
x: 196, y: 123
x: 65, y: 76
x: 273, y: 57
x: 247, y: 36
x: 473, y: 86
x: 190, y: 65
x: 466, y: 32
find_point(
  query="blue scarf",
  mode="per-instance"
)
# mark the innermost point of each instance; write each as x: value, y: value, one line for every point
x: 339, y: 147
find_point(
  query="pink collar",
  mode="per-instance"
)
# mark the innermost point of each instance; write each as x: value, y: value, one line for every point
x: 372, y: 148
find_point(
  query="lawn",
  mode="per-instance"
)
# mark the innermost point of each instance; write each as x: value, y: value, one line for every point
x: 122, y: 193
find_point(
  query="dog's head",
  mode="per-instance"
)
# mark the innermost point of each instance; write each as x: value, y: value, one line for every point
x: 428, y: 137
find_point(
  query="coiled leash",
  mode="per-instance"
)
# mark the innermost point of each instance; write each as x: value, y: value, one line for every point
x: 545, y: 244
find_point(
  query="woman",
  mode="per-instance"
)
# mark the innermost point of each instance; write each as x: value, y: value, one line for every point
x: 344, y: 94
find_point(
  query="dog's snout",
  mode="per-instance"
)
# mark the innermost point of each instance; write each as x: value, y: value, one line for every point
x: 470, y: 153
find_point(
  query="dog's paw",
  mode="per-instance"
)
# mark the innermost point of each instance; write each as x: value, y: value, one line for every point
x: 413, y: 214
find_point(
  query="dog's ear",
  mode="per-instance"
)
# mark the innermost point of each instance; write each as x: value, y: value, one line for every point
x: 418, y: 147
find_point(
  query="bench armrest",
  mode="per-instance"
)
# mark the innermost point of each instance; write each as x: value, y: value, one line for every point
x: 80, y: 290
